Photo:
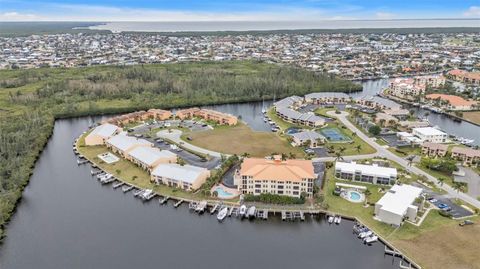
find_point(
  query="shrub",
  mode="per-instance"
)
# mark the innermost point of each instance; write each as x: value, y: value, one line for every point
x: 269, y: 198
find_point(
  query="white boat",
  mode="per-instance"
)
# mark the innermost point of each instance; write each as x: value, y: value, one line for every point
x: 201, y: 206
x: 105, y: 177
x: 251, y: 212
x: 242, y: 211
x: 222, y: 214
x: 338, y: 220
x: 264, y: 110
x: 330, y: 219
x: 365, y: 234
x: 370, y: 239
x: 146, y: 194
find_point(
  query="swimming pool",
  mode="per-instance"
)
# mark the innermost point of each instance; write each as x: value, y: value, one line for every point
x: 223, y: 194
x: 292, y: 130
x: 354, y: 196
x: 108, y: 157
x: 334, y: 135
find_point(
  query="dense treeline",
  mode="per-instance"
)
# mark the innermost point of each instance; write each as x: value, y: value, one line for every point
x: 30, y: 100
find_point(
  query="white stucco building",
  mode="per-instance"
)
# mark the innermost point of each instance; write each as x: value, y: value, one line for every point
x: 430, y: 134
x: 398, y: 204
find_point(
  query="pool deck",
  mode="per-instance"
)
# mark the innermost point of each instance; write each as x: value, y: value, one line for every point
x: 234, y: 192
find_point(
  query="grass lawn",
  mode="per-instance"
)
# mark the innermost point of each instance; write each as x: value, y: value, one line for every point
x: 322, y: 111
x: 438, y: 243
x: 473, y: 116
x: 406, y: 151
x: 241, y: 139
x: 350, y: 147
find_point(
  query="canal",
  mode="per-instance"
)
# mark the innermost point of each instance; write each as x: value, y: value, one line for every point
x: 66, y: 219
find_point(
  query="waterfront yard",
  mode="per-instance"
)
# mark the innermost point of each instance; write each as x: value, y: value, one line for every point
x: 131, y: 173
x: 473, y: 116
x: 242, y: 139
x: 281, y: 123
x: 438, y: 243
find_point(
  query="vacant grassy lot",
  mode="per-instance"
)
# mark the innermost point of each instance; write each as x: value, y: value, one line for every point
x: 241, y: 139
x: 473, y: 116
x: 438, y: 243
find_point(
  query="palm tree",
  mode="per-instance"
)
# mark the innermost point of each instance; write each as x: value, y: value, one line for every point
x: 382, y: 122
x: 441, y: 180
x: 342, y: 149
x: 354, y: 134
x: 284, y: 157
x: 359, y: 148
x: 367, y: 194
x: 292, y: 155
x: 246, y: 155
x: 338, y: 156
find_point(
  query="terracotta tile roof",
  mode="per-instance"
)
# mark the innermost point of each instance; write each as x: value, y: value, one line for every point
x: 467, y: 151
x: 436, y: 146
x: 452, y: 99
x: 289, y: 170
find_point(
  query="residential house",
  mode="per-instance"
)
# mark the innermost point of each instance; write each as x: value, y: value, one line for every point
x: 397, y: 204
x: 434, y: 149
x: 101, y: 133
x: 311, y: 138
x: 186, y: 177
x: 123, y: 144
x: 149, y: 157
x: 469, y: 156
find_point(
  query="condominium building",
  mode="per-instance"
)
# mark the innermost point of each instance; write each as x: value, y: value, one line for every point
x: 398, y: 204
x: 186, y: 177
x: 434, y: 149
x: 469, y: 156
x: 406, y: 88
x: 365, y: 173
x: 101, y: 133
x: 123, y: 144
x: 207, y: 114
x: 281, y: 177
x: 149, y: 157
x: 465, y: 76
x: 157, y: 114
x: 307, y: 119
x: 311, y: 138
x: 430, y: 134
x: 327, y: 98
x: 376, y: 102
x: 453, y: 102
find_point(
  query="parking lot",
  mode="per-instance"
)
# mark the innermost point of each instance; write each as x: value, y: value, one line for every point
x: 455, y: 210
x: 189, y: 124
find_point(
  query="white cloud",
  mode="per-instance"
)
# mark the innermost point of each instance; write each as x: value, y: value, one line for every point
x: 15, y: 16
x: 473, y: 11
x: 384, y: 15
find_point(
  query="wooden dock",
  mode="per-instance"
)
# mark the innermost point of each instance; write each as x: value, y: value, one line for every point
x: 118, y: 184
x: 164, y: 200
x: 214, y: 208
x: 178, y: 203
x: 127, y: 188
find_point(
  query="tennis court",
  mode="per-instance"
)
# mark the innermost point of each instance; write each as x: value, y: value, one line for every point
x: 334, y: 135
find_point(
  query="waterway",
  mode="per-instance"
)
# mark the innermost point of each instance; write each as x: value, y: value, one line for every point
x: 67, y: 220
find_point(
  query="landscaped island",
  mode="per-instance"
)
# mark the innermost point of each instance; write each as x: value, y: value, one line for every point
x: 31, y: 100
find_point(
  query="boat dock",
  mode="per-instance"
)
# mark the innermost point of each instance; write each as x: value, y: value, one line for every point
x: 108, y: 180
x: 178, y: 203
x: 233, y: 211
x: 137, y: 192
x: 164, y: 200
x: 262, y: 214
x: 214, y: 208
x: 95, y: 172
x: 81, y: 161
x: 127, y: 188
x: 293, y: 215
x: 118, y: 184
x: 192, y: 205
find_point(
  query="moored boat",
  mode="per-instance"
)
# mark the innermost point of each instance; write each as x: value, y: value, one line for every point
x: 242, y: 211
x: 222, y: 214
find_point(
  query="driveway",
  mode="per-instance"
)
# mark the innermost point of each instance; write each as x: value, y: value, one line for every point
x: 174, y: 135
x: 383, y: 152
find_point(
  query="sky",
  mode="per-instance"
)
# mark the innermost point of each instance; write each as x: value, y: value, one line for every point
x: 234, y: 10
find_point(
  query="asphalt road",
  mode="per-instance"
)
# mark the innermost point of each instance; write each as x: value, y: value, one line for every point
x: 383, y: 152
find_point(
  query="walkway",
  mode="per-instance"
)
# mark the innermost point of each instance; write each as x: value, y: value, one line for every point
x: 383, y: 152
x: 174, y: 135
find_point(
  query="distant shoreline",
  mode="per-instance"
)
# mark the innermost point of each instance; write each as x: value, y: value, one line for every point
x: 9, y: 29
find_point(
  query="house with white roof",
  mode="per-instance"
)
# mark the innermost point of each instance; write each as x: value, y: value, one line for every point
x: 430, y: 134
x: 101, y: 133
x: 398, y: 204
x: 149, y: 157
x: 123, y: 144
x: 365, y: 173
x: 327, y: 98
x: 186, y: 177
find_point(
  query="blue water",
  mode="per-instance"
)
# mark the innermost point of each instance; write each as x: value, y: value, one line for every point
x: 355, y: 196
x: 292, y: 130
x: 222, y: 193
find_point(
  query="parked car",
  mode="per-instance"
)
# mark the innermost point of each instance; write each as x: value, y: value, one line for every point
x: 442, y: 205
x: 432, y: 200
